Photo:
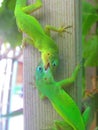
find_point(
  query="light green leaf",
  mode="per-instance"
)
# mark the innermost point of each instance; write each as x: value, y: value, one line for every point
x: 89, y: 15
x: 8, y: 29
x: 90, y: 51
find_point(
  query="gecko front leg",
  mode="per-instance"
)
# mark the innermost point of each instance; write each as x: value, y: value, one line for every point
x: 60, y: 30
x: 33, y: 7
x: 70, y: 80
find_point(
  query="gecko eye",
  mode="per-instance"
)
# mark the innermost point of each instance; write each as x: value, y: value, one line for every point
x: 54, y: 64
x: 40, y: 69
x: 48, y: 54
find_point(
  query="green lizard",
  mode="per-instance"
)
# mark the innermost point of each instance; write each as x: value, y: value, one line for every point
x: 61, y: 101
x: 35, y: 33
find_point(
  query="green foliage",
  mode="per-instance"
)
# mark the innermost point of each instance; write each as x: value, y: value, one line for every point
x: 10, y: 4
x: 90, y: 42
x: 90, y: 51
x: 8, y: 28
x: 90, y: 16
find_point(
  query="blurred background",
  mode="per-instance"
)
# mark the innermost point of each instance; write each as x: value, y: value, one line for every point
x: 11, y: 87
x: 11, y: 69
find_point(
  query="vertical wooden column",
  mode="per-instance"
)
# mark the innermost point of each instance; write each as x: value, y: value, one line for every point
x: 39, y: 114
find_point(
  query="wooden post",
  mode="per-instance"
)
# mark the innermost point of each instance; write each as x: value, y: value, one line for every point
x: 39, y: 114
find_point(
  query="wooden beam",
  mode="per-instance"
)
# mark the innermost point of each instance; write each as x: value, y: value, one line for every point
x: 39, y: 114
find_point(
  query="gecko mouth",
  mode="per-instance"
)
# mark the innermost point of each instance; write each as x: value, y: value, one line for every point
x: 47, y: 66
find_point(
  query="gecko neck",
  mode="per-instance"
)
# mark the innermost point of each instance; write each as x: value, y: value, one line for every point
x: 21, y: 3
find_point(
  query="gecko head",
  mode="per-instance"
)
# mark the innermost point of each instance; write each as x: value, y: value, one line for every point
x: 44, y: 79
x: 50, y: 60
x: 42, y: 75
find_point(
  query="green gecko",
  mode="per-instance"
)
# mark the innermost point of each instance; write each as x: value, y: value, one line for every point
x: 60, y: 100
x: 36, y: 35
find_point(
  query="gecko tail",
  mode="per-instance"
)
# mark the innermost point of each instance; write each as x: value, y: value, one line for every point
x: 86, y: 115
